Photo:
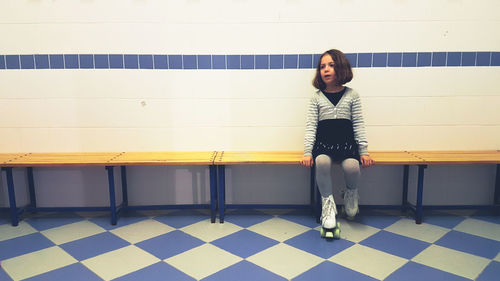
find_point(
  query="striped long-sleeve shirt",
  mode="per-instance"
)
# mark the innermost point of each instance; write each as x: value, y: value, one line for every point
x: 349, y: 107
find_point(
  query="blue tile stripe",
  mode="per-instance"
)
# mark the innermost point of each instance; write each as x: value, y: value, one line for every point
x: 246, y: 61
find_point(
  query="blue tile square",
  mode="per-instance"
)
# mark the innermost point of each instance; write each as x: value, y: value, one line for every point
x: 41, y: 62
x: 246, y: 218
x: 175, y: 61
x: 470, y: 244
x: 56, y: 61
x: 417, y: 272
x: 317, y: 60
x: 76, y: 272
x: 12, y: 62
x: 261, y: 62
x: 491, y: 272
x: 160, y: 271
x: 86, y: 61
x: 101, y: 61
x: 483, y: 58
x: 53, y: 220
x: 379, y: 59
x: 3, y: 274
x: 395, y: 244
x: 276, y: 61
x: 495, y: 59
x: 253, y: 243
x: 454, y: 59
x: 71, y: 61
x: 94, y: 245
x: 219, y: 61
x: 377, y: 221
x: 468, y: 59
x: 23, y: 245
x: 247, y: 62
x: 115, y: 61
x: 364, y: 59
x: 244, y: 271
x: 447, y: 221
x: 306, y: 61
x: 204, y: 61
x: 409, y: 59
x: 131, y: 61
x: 330, y: 271
x: 124, y: 220
x: 146, y: 61
x: 424, y: 59
x: 160, y: 61
x: 182, y: 218
x: 233, y: 62
x: 439, y: 59
x: 27, y: 62
x: 312, y: 242
x: 395, y: 59
x: 2, y: 61
x: 170, y: 244
x: 301, y: 218
x: 189, y: 61
x: 291, y: 61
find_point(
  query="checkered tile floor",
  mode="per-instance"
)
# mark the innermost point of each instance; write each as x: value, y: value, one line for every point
x: 250, y: 245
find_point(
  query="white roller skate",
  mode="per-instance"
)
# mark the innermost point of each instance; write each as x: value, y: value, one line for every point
x: 350, y: 207
x: 330, y: 227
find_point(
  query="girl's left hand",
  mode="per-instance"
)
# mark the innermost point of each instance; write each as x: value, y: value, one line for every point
x: 366, y: 161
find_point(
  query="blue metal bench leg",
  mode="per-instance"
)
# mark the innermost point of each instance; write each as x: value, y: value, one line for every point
x: 112, y: 199
x: 12, y: 196
x: 404, y: 202
x: 420, y: 193
x: 213, y: 192
x: 221, y: 189
x: 124, y: 187
x: 313, y: 193
x: 497, y: 191
x: 31, y: 185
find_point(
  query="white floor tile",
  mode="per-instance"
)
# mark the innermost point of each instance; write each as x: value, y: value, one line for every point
x: 480, y: 228
x: 355, y: 232
x: 371, y: 262
x: 141, y: 231
x: 208, y: 232
x: 425, y: 232
x: 285, y: 260
x: 71, y: 232
x: 38, y: 262
x: 120, y: 262
x: 7, y: 231
x: 279, y: 229
x: 203, y: 261
x: 456, y: 262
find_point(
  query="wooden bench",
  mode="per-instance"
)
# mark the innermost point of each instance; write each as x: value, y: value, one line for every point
x: 108, y: 160
x: 406, y: 158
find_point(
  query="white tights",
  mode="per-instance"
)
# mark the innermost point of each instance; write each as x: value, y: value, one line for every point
x: 350, y: 168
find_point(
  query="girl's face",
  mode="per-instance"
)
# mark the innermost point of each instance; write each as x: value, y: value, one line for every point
x: 327, y: 70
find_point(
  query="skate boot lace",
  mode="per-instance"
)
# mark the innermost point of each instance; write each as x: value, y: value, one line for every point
x: 328, y: 208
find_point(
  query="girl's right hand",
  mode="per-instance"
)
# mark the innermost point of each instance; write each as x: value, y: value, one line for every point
x: 307, y: 161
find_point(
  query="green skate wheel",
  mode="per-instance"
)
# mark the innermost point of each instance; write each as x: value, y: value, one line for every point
x: 322, y: 232
x: 336, y: 233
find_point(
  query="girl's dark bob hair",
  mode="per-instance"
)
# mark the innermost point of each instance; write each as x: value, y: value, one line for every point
x: 343, y: 70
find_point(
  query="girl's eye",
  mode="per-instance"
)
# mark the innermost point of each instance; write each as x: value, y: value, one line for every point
x: 322, y: 66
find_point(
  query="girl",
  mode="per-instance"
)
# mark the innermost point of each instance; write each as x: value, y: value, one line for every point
x: 335, y: 132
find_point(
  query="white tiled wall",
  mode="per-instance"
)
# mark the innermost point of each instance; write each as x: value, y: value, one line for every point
x: 158, y: 110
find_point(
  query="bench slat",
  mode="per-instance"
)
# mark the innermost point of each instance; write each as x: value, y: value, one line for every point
x: 63, y: 159
x: 165, y: 158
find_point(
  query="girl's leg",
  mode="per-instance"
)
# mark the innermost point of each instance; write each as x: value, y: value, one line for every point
x: 324, y: 181
x: 352, y: 173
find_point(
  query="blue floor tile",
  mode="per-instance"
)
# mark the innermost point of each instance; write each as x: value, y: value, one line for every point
x: 304, y: 219
x: 49, y: 221
x: 182, y: 218
x: 490, y: 273
x: 246, y: 218
x: 160, y: 271
x: 244, y: 243
x: 23, y: 245
x: 312, y: 242
x: 105, y: 221
x: 244, y: 271
x: 446, y: 221
x: 395, y: 244
x: 418, y: 272
x: 74, y: 272
x: 471, y: 244
x: 3, y: 275
x: 377, y: 221
x: 330, y: 271
x: 94, y: 245
x: 170, y: 244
